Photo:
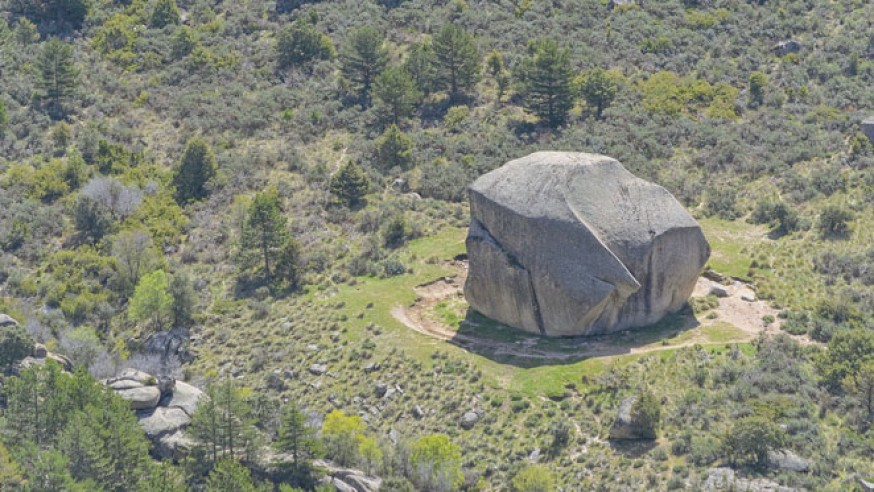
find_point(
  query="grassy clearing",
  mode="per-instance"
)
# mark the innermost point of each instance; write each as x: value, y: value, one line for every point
x: 730, y: 242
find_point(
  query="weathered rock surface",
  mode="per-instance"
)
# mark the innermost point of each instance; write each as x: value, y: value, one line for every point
x: 625, y: 427
x: 347, y: 479
x: 164, y: 408
x: 724, y: 479
x: 785, y: 459
x: 6, y: 320
x: 568, y: 244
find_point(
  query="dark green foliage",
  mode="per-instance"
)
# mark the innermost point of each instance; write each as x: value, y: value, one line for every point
x: 288, y: 264
x: 300, y: 44
x: 184, y: 41
x: 646, y: 414
x: 197, y: 168
x: 848, y: 351
x: 164, y: 14
x: 296, y: 436
x: 394, y: 150
x: 15, y: 344
x: 349, y: 184
x: 265, y: 233
x: 286, y: 6
x: 395, y: 232
x: 397, y: 93
x: 58, y: 75
x: 364, y: 57
x: 184, y: 299
x: 420, y: 65
x: 229, y: 475
x: 457, y: 61
x: 757, y: 82
x: 546, y: 82
x: 780, y: 217
x: 834, y: 222
x: 751, y: 438
x: 222, y: 425
x: 398, y: 484
x: 93, y: 220
x: 72, y: 12
x: 4, y: 118
x: 599, y: 90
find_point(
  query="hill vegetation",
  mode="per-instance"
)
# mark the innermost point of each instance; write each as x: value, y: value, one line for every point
x: 239, y: 193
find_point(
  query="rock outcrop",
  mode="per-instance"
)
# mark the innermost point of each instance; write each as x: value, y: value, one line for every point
x: 163, y: 406
x: 625, y: 427
x: 569, y: 244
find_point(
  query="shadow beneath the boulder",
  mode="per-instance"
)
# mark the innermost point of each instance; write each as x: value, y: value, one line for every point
x: 635, y: 448
x: 503, y: 344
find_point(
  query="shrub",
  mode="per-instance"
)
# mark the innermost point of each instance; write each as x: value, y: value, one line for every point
x: 833, y: 222
x: 15, y: 344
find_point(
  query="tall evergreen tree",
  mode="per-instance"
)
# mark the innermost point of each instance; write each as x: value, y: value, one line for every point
x: 198, y: 166
x: 184, y: 299
x: 222, y: 424
x: 420, y: 65
x: 349, y: 184
x: 265, y: 231
x: 546, y: 81
x: 457, y: 60
x: 396, y: 93
x: 364, y: 57
x: 58, y: 73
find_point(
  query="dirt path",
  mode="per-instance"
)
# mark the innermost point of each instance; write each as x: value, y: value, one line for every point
x: 738, y: 306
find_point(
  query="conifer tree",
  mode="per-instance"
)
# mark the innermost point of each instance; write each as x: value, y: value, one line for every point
x: 301, y: 43
x: 394, y: 149
x: 166, y: 13
x: 349, y: 184
x: 198, y: 166
x: 396, y: 93
x: 457, y: 61
x: 598, y: 90
x: 58, y: 74
x: 265, y: 231
x: 546, y: 82
x: 364, y: 57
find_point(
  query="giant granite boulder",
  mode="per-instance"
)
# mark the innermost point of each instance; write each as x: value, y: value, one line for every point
x: 567, y: 244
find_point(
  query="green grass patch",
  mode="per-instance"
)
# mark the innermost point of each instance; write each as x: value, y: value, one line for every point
x: 730, y: 242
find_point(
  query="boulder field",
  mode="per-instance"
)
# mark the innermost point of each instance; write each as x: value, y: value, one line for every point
x: 572, y: 244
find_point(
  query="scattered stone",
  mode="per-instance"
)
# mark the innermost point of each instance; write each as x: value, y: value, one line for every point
x: 371, y: 367
x: 318, y: 369
x: 866, y: 485
x: 347, y: 479
x: 534, y: 457
x: 394, y: 436
x: 285, y: 326
x: 748, y: 296
x: 6, y: 320
x: 718, y: 291
x: 313, y: 348
x: 275, y: 383
x: 612, y: 4
x: 381, y: 390
x: 142, y: 398
x: 568, y: 244
x: 335, y: 337
x: 785, y: 459
x: 783, y: 48
x: 469, y: 419
x: 418, y: 412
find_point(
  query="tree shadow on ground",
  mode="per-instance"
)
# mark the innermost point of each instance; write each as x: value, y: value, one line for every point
x: 506, y: 345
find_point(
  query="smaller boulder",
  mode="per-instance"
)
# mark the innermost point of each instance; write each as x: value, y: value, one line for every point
x: 785, y: 459
x: 418, y: 412
x: 468, y: 420
x: 783, y: 48
x: 380, y: 390
x: 718, y: 291
x: 142, y: 398
x: 166, y: 384
x: 318, y: 369
x: 6, y: 320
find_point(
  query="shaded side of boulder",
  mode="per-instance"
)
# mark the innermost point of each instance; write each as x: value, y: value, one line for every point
x: 625, y: 427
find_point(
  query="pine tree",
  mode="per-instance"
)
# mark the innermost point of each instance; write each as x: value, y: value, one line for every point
x: 166, y: 13
x: 230, y: 476
x: 198, y: 166
x: 15, y: 344
x: 265, y: 231
x: 296, y: 437
x: 396, y: 93
x: 301, y: 43
x: 394, y: 149
x: 599, y: 90
x: 364, y: 57
x: 349, y: 184
x: 420, y: 65
x: 288, y: 269
x: 546, y: 82
x: 758, y: 81
x: 222, y: 424
x: 457, y: 61
x: 59, y: 76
